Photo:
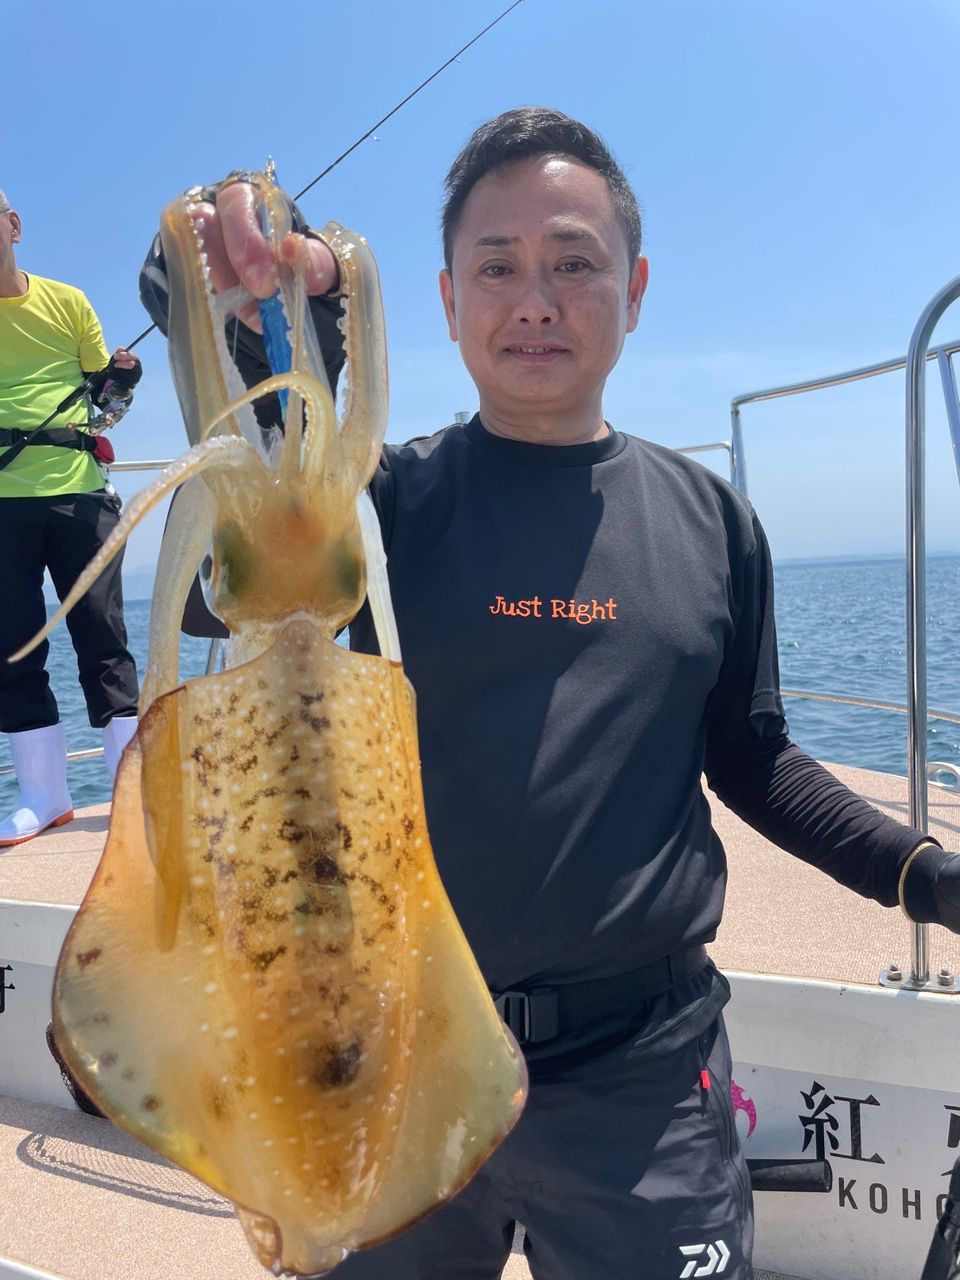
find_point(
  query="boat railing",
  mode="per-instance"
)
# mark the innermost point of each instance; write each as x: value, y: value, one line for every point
x: 942, y: 354
x: 914, y: 362
x: 940, y: 772
x: 726, y: 445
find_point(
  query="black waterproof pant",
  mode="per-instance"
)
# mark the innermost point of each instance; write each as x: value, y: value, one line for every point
x: 624, y: 1166
x: 62, y: 534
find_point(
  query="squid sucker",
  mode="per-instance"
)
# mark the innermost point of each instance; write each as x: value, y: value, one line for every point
x: 266, y: 982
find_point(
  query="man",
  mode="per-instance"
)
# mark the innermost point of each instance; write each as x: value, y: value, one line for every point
x: 588, y: 622
x: 56, y: 511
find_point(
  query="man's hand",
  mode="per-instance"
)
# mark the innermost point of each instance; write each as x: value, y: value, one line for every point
x: 240, y: 254
x: 124, y: 359
x: 930, y: 888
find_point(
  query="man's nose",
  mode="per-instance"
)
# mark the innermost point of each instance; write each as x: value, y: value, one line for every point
x: 538, y: 303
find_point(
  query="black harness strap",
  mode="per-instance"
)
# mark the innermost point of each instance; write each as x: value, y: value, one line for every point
x: 62, y: 437
x: 28, y: 437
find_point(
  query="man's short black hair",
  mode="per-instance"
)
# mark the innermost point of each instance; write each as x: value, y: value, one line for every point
x: 535, y: 131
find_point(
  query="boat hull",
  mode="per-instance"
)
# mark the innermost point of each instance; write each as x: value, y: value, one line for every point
x: 860, y: 1076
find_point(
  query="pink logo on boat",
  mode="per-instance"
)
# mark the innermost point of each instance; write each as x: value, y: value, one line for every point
x: 742, y: 1103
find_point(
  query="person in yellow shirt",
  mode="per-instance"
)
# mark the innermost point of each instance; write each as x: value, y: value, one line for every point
x: 56, y: 511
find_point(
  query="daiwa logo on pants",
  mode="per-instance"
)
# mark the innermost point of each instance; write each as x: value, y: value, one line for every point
x: 713, y: 1264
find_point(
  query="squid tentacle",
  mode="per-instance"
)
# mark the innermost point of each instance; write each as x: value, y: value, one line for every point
x: 222, y: 452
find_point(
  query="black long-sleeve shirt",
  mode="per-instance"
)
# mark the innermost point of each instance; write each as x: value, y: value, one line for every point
x: 588, y: 629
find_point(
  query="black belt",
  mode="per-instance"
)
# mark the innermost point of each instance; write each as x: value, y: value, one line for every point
x: 64, y: 437
x: 538, y: 1014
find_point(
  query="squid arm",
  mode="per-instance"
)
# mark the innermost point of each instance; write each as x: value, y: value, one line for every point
x: 378, y: 584
x: 186, y: 540
x: 365, y: 403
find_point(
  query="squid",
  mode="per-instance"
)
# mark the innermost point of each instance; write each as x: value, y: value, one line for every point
x: 266, y: 982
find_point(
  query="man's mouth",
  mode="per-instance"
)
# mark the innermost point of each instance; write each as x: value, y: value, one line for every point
x: 534, y: 350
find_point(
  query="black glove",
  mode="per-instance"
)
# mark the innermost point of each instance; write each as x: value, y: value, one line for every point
x: 931, y: 888
x: 125, y: 379
x: 112, y: 383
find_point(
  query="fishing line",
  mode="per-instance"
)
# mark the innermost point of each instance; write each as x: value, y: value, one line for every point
x: 403, y: 102
x: 375, y: 127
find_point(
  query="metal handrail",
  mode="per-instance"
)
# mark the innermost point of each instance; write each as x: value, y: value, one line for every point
x: 917, y: 356
x: 951, y: 717
x: 934, y: 768
x: 141, y: 465
x: 914, y: 362
x: 90, y: 753
x: 941, y: 353
x: 707, y: 448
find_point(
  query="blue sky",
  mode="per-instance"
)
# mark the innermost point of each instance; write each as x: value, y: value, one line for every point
x: 795, y: 162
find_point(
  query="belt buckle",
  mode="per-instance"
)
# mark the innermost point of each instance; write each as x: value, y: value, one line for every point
x: 514, y: 1008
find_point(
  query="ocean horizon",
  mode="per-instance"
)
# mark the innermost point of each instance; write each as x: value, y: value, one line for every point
x: 841, y: 630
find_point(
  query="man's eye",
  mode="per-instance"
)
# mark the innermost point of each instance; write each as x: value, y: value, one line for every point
x: 574, y: 267
x: 496, y: 270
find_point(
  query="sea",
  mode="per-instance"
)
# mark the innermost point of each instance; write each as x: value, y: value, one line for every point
x: 841, y: 630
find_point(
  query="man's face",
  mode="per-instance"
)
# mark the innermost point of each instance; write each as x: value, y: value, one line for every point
x: 541, y: 294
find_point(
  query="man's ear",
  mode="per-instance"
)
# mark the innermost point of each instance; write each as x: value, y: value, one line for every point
x: 635, y: 291
x: 449, y: 303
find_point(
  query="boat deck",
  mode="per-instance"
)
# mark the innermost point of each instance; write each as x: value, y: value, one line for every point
x: 117, y: 1209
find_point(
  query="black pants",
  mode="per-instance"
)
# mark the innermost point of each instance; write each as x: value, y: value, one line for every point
x: 624, y: 1166
x: 62, y: 534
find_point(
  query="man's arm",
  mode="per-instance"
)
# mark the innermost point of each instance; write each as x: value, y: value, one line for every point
x: 800, y: 806
x: 792, y: 800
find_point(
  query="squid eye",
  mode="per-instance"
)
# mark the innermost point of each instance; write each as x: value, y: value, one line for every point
x: 235, y: 557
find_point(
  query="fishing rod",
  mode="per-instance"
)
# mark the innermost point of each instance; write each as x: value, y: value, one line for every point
x: 372, y: 130
x: 86, y: 386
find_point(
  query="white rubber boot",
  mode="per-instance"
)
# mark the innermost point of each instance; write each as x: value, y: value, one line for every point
x: 40, y: 760
x: 116, y: 734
